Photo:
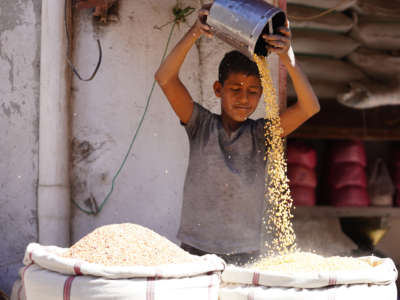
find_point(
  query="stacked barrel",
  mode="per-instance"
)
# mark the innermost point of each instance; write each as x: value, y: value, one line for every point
x: 301, y: 163
x: 347, y: 174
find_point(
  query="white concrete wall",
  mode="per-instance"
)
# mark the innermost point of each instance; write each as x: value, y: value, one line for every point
x: 19, y: 96
x: 106, y: 113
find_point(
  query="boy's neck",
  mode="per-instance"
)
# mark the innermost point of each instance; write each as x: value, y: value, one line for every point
x: 229, y: 125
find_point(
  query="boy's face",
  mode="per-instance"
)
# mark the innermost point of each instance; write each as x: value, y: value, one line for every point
x: 239, y: 95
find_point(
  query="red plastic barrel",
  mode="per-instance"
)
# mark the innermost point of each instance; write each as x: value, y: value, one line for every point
x: 300, y: 153
x: 349, y: 152
x: 345, y: 174
x: 350, y: 196
x: 303, y: 196
x: 301, y: 176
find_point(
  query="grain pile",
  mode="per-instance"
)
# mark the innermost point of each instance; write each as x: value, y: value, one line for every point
x: 127, y: 245
x: 310, y: 262
x: 278, y: 215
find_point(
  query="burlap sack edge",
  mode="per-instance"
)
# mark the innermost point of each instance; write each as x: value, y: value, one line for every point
x: 48, y: 258
x: 384, y: 272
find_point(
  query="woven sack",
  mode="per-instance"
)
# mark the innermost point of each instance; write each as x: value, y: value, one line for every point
x: 325, y: 4
x: 301, y: 176
x: 387, y: 10
x: 300, y: 153
x: 380, y: 185
x: 319, y: 43
x: 323, y: 89
x: 375, y: 64
x: 350, y: 196
x: 336, y: 292
x: 47, y: 276
x: 378, y: 35
x: 344, y: 174
x: 329, y: 69
x: 371, y: 93
x: 348, y: 152
x: 303, y: 196
x: 383, y: 272
x: 333, y: 22
x: 17, y: 292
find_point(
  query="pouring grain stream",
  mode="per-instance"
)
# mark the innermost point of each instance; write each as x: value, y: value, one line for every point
x: 278, y: 215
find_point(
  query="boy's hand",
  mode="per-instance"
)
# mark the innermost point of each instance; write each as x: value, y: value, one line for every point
x: 201, y: 26
x: 279, y: 43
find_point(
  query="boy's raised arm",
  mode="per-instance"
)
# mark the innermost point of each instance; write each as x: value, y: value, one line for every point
x: 307, y: 103
x: 167, y: 74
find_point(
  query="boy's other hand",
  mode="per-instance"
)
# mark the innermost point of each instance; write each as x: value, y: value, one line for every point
x: 279, y: 43
x: 201, y: 23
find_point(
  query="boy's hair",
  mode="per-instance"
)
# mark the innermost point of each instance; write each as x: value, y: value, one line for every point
x: 236, y: 62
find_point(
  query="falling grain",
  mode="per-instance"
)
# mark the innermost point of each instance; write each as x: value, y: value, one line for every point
x: 278, y: 215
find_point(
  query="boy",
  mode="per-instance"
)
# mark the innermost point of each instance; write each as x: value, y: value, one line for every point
x: 223, y: 199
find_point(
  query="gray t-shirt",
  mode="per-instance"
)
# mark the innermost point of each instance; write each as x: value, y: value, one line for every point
x: 223, y: 198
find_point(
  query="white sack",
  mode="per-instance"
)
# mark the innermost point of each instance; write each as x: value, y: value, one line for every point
x: 334, y: 22
x: 47, y: 276
x: 18, y: 292
x: 322, y: 43
x: 380, y: 184
x: 376, y: 64
x: 41, y: 284
x: 385, y: 9
x: 325, y: 4
x: 369, y: 94
x: 341, y: 292
x: 323, y: 89
x: 384, y: 36
x: 48, y: 257
x: 329, y: 69
x: 384, y: 272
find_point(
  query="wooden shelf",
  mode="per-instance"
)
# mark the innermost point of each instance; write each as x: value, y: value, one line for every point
x: 336, y: 121
x: 336, y: 133
x: 336, y: 212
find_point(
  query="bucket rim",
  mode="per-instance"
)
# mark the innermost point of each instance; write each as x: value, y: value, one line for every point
x: 258, y: 29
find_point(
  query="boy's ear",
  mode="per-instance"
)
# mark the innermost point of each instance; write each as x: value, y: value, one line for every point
x: 218, y: 89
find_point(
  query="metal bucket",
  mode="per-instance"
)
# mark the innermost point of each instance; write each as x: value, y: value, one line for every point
x: 241, y: 23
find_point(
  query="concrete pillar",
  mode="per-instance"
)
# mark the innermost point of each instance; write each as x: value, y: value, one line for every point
x: 54, y: 188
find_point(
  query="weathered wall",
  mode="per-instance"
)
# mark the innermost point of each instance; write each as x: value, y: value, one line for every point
x: 19, y: 97
x: 106, y: 113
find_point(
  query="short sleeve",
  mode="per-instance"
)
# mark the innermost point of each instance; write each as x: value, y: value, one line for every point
x: 199, y: 118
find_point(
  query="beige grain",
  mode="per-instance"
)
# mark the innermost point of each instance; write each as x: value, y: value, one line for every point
x: 127, y: 245
x: 309, y: 262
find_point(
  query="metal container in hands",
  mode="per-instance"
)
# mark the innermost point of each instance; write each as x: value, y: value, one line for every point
x: 241, y: 23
